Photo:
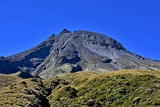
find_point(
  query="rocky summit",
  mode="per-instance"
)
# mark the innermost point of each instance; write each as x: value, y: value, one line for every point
x: 70, y: 52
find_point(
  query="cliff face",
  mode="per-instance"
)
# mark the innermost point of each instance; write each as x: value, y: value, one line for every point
x: 78, y: 51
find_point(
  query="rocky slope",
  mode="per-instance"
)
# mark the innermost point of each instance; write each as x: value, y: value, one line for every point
x: 28, y: 60
x: 70, y: 52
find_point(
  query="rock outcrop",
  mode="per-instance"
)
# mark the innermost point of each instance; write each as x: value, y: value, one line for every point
x: 69, y: 52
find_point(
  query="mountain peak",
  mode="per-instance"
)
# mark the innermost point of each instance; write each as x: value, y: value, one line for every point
x: 65, y: 31
x: 71, y: 52
x: 52, y: 36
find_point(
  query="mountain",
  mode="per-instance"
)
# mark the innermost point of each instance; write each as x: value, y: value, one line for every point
x: 69, y: 52
x: 28, y: 60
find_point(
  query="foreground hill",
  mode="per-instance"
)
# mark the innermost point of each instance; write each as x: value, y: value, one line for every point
x: 121, y: 88
x: 18, y: 92
x: 125, y: 88
x: 69, y: 52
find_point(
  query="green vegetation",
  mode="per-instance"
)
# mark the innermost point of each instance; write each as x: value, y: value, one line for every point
x: 18, y: 92
x: 6, y: 80
x: 121, y: 88
x: 125, y: 88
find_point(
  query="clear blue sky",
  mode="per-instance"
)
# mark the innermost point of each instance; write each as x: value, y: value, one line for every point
x: 134, y: 23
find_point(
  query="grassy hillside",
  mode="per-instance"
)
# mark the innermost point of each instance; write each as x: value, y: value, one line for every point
x: 125, y: 88
x: 18, y: 92
x: 6, y: 80
x: 121, y: 88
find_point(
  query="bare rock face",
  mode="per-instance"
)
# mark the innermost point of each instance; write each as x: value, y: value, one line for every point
x: 78, y: 51
x: 88, y: 51
x: 28, y: 60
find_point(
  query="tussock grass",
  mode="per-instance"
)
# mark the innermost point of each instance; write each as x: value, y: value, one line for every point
x: 6, y: 80
x: 18, y: 92
x: 123, y: 88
